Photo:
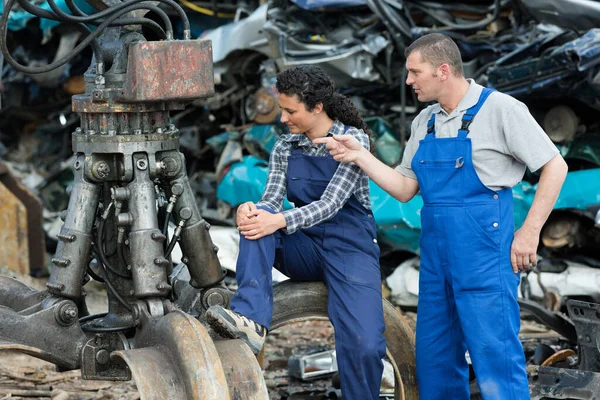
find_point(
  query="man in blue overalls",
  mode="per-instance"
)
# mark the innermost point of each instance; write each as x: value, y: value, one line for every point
x: 465, y: 153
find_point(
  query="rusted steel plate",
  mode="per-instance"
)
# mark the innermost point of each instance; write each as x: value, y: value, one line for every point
x: 185, y: 349
x: 14, y: 251
x: 31, y: 217
x: 244, y: 376
x: 30, y: 351
x: 154, y: 374
x: 169, y: 71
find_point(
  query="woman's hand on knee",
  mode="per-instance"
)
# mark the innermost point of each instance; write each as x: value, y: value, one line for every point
x: 261, y: 223
x: 243, y: 212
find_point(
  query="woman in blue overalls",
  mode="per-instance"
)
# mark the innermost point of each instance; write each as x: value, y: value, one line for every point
x: 329, y: 236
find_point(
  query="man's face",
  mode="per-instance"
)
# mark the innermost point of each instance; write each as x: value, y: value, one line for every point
x: 295, y: 115
x: 423, y: 77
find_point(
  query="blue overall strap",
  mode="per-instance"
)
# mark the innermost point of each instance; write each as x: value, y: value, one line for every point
x: 431, y: 125
x: 472, y: 112
x: 296, y: 149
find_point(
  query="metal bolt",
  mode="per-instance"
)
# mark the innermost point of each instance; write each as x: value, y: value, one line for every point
x: 101, y: 170
x: 66, y: 314
x: 172, y: 127
x: 61, y: 262
x: 185, y: 260
x: 78, y: 130
x: 215, y: 249
x: 90, y: 132
x: 102, y: 356
x: 215, y: 299
x: 137, y: 131
x: 171, y: 166
x: 158, y: 131
x: 185, y: 213
x: 141, y: 164
x: 157, y: 237
x: 206, y: 226
x: 53, y: 287
x: 67, y: 238
x: 112, y: 132
x: 161, y: 261
x: 177, y: 189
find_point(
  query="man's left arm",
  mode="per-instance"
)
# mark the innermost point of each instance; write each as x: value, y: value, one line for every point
x: 525, y: 243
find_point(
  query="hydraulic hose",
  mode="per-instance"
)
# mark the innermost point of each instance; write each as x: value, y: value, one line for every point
x: 115, y: 9
x: 74, y: 18
x: 37, y: 70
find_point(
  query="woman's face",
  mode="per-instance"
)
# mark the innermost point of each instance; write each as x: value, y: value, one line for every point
x: 295, y: 115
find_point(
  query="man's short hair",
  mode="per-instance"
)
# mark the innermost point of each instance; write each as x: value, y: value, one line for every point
x: 438, y: 49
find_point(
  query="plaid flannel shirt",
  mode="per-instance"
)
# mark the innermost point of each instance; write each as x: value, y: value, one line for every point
x: 348, y: 180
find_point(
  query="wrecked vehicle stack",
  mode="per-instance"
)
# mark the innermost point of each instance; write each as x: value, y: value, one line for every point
x: 546, y: 53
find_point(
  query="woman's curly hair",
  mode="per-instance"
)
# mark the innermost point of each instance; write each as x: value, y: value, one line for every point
x: 313, y: 86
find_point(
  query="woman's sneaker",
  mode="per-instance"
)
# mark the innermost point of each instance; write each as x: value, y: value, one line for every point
x: 232, y: 325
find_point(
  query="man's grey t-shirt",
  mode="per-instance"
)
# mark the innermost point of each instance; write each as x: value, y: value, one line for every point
x: 505, y: 137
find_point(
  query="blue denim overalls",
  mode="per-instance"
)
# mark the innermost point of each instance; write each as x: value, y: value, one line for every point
x: 343, y: 253
x: 467, y: 289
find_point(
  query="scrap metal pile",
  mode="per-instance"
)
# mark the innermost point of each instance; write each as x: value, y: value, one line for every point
x: 546, y: 53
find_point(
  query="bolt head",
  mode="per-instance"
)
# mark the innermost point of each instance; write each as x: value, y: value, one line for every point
x: 102, y: 356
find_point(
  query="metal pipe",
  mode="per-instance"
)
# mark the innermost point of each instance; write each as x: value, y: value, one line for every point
x: 146, y: 240
x: 75, y: 238
x: 199, y: 252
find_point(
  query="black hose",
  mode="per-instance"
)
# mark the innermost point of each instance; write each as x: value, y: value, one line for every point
x: 33, y: 70
x: 165, y: 230
x: 100, y: 329
x: 117, y: 8
x: 108, y: 284
x: 101, y: 254
x: 120, y: 253
x: 91, y: 317
x: 94, y: 275
x: 40, y: 12
x: 123, y: 22
x: 87, y: 18
x: 74, y: 9
x: 171, y: 246
x: 110, y: 287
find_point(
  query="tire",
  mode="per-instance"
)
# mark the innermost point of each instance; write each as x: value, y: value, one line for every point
x: 301, y: 301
